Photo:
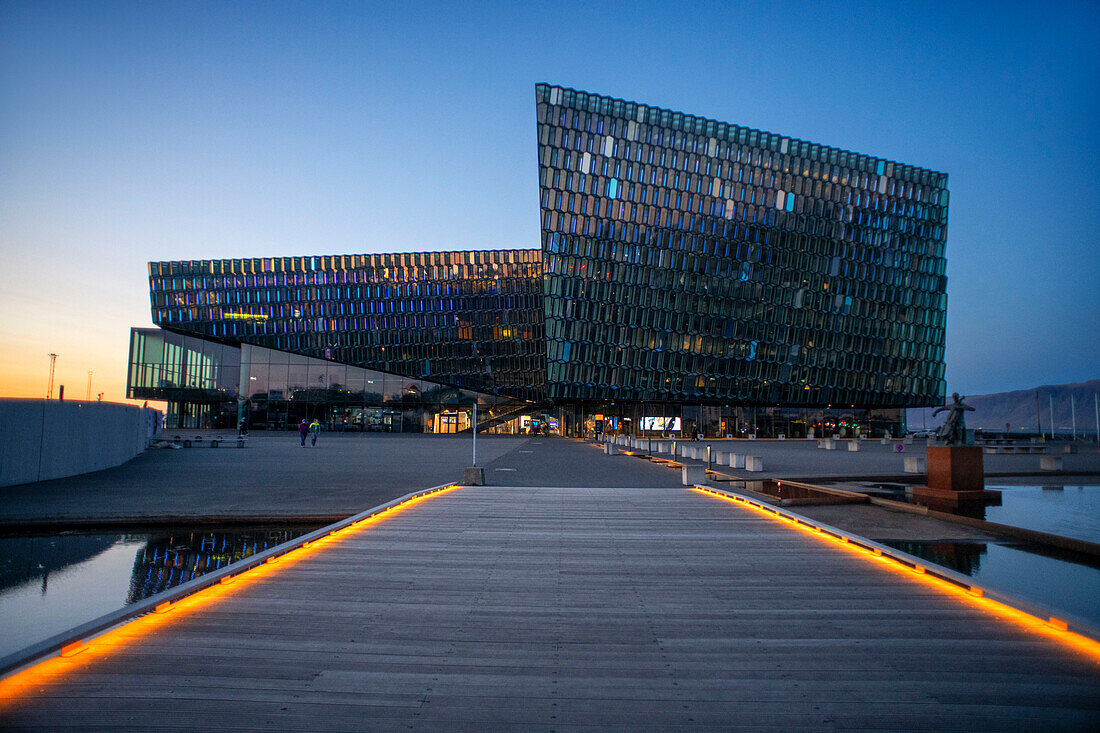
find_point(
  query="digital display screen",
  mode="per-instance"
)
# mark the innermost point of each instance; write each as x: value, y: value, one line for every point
x: 661, y: 424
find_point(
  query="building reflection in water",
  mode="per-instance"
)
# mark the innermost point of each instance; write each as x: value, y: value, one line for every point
x: 962, y: 557
x: 170, y: 560
x: 27, y: 558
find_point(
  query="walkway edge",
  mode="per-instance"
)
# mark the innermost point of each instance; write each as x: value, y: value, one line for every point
x: 67, y: 640
x: 1057, y: 621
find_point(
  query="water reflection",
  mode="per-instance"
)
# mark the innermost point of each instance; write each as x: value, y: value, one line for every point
x: 168, y: 561
x: 23, y: 559
x: 49, y: 584
x: 1040, y: 575
x: 962, y: 557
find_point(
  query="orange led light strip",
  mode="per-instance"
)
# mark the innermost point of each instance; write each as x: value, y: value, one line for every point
x: 1053, y: 628
x: 84, y: 651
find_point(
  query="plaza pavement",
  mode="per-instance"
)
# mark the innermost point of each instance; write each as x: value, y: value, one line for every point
x: 803, y: 460
x: 273, y: 478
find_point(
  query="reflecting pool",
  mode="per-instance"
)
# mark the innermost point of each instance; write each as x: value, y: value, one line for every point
x: 49, y: 584
x: 1070, y: 511
x: 1037, y: 575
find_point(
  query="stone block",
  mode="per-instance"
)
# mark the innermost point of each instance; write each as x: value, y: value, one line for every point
x: 474, y: 476
x: 913, y: 464
x: 736, y: 460
x: 754, y: 463
x: 1050, y: 463
x: 853, y: 446
x: 691, y: 475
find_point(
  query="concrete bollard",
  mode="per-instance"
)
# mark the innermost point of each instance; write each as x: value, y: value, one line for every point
x: 737, y: 460
x: 782, y: 436
x: 830, y: 444
x: 691, y: 475
x: 1069, y: 448
x: 914, y: 464
x: 853, y: 447
x: 1050, y: 463
x: 609, y: 449
x: 718, y: 458
x: 754, y: 463
x: 884, y: 440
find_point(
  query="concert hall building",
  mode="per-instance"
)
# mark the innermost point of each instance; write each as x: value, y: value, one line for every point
x: 693, y: 275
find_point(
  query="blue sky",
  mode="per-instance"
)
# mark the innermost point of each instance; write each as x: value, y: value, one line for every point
x: 132, y: 132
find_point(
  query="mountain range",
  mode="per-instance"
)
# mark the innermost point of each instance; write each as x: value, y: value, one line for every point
x: 1018, y: 409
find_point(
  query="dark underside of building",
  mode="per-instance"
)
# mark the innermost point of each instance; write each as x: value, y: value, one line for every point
x: 693, y: 276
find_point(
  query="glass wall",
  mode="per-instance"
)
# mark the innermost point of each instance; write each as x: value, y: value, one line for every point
x: 472, y: 319
x: 199, y: 380
x: 686, y: 265
x: 665, y: 420
x: 696, y: 261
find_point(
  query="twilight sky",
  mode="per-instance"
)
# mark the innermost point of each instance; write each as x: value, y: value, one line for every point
x: 132, y: 132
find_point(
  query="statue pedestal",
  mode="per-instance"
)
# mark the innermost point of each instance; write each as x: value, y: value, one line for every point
x: 955, y: 476
x: 955, y: 467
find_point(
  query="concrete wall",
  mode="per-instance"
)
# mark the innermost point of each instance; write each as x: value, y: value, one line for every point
x: 46, y: 439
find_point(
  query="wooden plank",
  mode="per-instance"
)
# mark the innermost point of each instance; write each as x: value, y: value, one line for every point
x: 539, y: 608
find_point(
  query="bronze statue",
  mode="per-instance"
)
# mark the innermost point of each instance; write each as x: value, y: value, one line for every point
x: 953, y: 430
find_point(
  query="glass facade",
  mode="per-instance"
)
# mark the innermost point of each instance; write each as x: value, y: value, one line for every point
x: 740, y: 281
x: 283, y: 388
x: 698, y: 261
x: 469, y: 319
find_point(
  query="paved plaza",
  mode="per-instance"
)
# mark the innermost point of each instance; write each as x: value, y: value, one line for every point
x: 273, y: 478
x: 802, y: 459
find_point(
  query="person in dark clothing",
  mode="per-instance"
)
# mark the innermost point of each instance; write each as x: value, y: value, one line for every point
x: 303, y: 430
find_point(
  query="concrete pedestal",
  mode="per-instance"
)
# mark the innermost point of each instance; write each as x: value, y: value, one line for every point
x: 955, y: 476
x: 955, y: 467
x: 691, y: 475
x: 474, y: 476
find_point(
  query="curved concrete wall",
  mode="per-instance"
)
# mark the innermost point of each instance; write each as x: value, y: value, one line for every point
x: 46, y: 439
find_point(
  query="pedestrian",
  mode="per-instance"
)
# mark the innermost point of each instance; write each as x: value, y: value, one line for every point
x: 314, y: 429
x: 303, y: 430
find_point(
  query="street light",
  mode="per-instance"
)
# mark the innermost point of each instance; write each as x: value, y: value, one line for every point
x: 49, y: 387
x: 89, y: 397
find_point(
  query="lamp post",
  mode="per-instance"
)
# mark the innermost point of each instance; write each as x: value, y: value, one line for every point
x: 1050, y: 398
x: 89, y: 397
x: 49, y: 387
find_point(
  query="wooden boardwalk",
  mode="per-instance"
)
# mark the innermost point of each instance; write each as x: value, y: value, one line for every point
x: 555, y: 609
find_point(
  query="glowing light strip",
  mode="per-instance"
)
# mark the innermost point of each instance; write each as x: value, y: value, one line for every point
x: 1052, y: 627
x: 239, y: 576
x: 235, y: 316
